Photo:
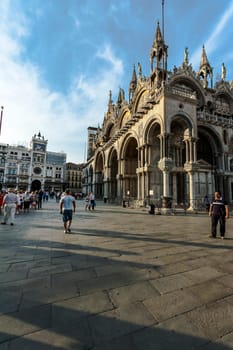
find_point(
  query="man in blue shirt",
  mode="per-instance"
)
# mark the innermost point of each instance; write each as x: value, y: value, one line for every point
x: 67, y: 207
x: 220, y: 212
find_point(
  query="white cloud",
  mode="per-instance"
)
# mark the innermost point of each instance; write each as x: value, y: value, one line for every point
x: 30, y: 106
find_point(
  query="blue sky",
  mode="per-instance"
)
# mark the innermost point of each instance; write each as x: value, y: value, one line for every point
x: 60, y: 58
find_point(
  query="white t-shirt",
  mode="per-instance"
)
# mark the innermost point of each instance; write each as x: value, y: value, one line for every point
x: 67, y: 202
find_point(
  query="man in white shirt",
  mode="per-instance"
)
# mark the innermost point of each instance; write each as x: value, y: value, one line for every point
x: 67, y: 207
x: 10, y: 201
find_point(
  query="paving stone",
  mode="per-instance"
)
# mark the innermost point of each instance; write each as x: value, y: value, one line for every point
x: 108, y: 269
x: 134, y: 292
x: 50, y: 269
x: 203, y: 274
x: 173, y: 268
x: 210, y: 291
x: 119, y: 322
x: 46, y: 295
x: 227, y: 280
x: 9, y: 301
x: 215, y: 320
x: 122, y: 343
x: 71, y: 279
x: 171, y: 283
x: 226, y: 268
x: 71, y: 338
x: 4, y: 267
x: 27, y: 321
x: 166, y: 337
x: 171, y: 304
x: 224, y: 343
x: 69, y: 311
x: 12, y: 276
x: 4, y: 346
x: 105, y: 282
x: 27, y: 284
x: 25, y: 265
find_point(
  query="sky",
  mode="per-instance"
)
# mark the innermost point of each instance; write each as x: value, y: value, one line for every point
x: 60, y: 58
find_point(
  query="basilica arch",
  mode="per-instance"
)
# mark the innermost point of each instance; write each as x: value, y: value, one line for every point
x: 99, y: 176
x: 153, y: 174
x: 181, y: 133
x: 129, y: 156
x: 113, y: 175
x: 210, y: 160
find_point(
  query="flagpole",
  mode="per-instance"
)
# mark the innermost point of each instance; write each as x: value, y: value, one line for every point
x: 163, y: 37
x: 1, y: 119
x: 163, y: 19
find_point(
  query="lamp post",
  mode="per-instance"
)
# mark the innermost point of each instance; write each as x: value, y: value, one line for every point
x: 1, y: 118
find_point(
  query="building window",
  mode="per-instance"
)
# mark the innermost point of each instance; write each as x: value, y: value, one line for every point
x: 11, y: 171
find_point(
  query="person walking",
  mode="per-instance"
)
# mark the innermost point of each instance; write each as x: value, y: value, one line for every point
x: 2, y: 194
x: 87, y: 203
x: 219, y: 212
x: 67, y: 208
x: 10, y: 201
x: 40, y: 197
x: 92, y: 200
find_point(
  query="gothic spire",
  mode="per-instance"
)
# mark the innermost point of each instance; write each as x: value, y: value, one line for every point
x: 204, y: 60
x: 110, y: 103
x: 205, y: 69
x: 158, y: 54
x: 133, y: 84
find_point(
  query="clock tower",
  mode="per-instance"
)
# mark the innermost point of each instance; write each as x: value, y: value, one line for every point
x: 38, y: 146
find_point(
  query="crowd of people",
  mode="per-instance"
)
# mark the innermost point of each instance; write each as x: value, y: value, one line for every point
x: 14, y: 202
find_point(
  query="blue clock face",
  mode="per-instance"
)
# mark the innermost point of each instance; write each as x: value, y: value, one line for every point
x: 38, y: 147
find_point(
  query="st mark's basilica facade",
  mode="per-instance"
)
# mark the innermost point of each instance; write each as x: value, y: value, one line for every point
x: 171, y: 139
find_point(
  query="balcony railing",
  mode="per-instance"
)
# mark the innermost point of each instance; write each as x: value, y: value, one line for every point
x: 215, y: 119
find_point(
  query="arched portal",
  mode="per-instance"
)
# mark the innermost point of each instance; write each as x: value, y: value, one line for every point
x: 99, y: 176
x: 155, y: 180
x: 113, y: 165
x: 130, y: 165
x: 179, y: 180
x: 209, y: 157
x: 36, y: 185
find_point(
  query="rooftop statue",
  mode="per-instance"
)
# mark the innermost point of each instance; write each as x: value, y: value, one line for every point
x: 223, y: 72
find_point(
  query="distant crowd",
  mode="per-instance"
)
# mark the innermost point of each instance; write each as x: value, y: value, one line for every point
x: 30, y: 199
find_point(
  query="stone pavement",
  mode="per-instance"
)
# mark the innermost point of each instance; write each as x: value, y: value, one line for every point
x: 123, y: 279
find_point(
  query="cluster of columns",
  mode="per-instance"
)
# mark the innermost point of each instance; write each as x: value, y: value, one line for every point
x: 120, y: 188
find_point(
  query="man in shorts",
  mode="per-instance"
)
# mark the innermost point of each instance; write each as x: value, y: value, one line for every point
x: 67, y: 207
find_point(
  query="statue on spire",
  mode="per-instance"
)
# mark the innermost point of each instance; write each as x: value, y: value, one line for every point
x: 223, y: 72
x: 186, y: 56
x: 139, y: 70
